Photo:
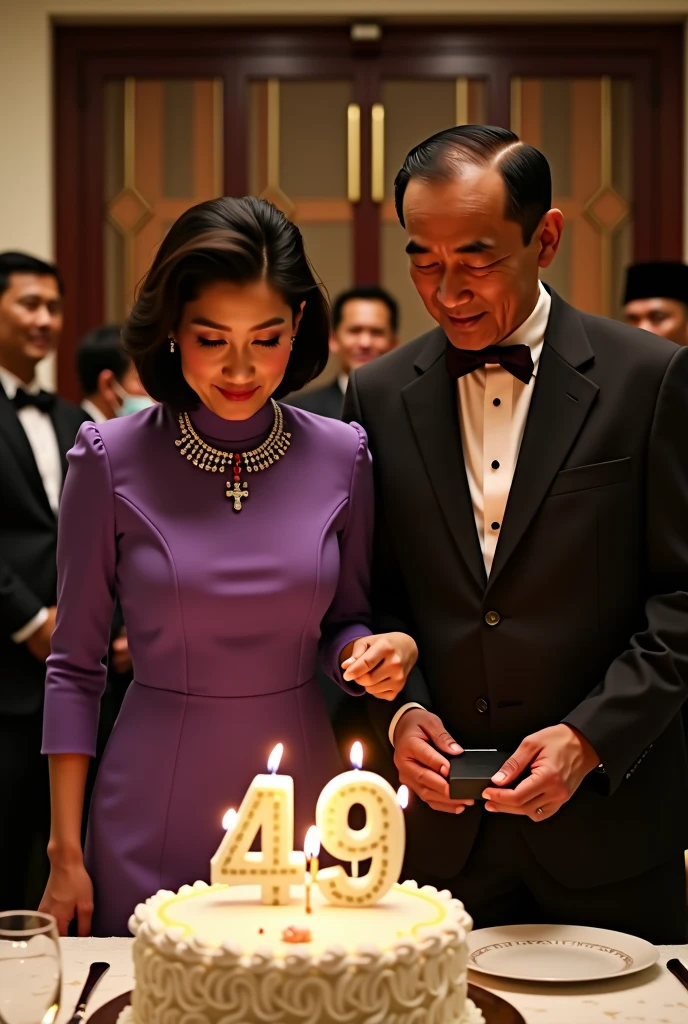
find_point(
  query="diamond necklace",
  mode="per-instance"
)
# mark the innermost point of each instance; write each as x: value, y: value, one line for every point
x: 214, y: 460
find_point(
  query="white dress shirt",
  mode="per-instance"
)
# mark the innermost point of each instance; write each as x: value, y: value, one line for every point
x: 41, y: 435
x: 93, y: 411
x: 493, y: 410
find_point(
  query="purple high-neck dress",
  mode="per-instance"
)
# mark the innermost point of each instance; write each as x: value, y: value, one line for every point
x: 225, y: 614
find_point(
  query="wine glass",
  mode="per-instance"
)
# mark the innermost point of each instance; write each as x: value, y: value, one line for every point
x: 30, y: 968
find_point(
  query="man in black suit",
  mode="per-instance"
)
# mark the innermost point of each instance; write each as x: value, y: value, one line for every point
x: 36, y: 431
x: 532, y: 535
x: 365, y: 321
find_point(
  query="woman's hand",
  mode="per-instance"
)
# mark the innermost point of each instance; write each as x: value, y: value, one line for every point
x: 69, y: 891
x: 380, y: 663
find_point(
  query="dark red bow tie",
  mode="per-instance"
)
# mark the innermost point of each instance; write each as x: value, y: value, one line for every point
x: 514, y: 358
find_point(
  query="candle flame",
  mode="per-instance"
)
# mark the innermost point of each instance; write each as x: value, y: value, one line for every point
x: 357, y: 755
x: 403, y: 797
x: 311, y: 846
x: 230, y: 820
x: 275, y: 758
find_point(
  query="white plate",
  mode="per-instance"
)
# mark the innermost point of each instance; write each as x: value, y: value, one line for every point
x: 555, y: 952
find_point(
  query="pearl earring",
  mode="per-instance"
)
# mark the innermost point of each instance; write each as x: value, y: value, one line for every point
x: 293, y: 339
x: 171, y: 341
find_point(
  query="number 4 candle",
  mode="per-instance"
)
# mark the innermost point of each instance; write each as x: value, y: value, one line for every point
x: 268, y: 805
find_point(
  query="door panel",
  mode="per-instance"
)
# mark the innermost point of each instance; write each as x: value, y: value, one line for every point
x: 298, y: 159
x: 162, y: 154
x: 584, y: 126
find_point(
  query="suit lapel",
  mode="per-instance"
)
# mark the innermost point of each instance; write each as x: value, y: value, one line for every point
x: 560, y: 405
x: 431, y: 403
x: 15, y: 436
x: 64, y: 432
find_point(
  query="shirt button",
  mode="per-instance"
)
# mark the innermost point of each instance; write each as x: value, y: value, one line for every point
x: 493, y: 618
x: 495, y: 464
x: 481, y: 705
x: 496, y: 401
x: 495, y: 526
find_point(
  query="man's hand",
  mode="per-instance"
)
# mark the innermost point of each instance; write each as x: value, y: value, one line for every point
x: 380, y: 663
x: 559, y: 758
x: 420, y: 765
x: 39, y: 642
x: 121, y: 659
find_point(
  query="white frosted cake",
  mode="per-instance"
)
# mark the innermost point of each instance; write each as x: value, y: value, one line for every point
x: 217, y: 955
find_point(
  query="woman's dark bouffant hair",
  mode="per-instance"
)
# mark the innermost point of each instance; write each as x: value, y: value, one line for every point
x: 238, y: 240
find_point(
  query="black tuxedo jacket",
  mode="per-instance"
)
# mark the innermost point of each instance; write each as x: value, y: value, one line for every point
x: 589, y: 584
x: 323, y: 401
x: 28, y: 546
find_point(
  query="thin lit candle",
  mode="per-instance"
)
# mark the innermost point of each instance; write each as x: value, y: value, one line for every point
x: 356, y: 756
x: 403, y: 797
x: 311, y: 849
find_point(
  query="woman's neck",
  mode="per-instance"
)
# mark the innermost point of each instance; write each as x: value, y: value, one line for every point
x: 236, y: 432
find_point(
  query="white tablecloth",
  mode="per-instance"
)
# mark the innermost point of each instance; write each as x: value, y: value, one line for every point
x: 651, y: 997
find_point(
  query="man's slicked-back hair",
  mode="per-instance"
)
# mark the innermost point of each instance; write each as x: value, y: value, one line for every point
x: 524, y: 168
x: 22, y: 263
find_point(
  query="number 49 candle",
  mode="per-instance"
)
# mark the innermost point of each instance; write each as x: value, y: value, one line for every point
x: 267, y: 805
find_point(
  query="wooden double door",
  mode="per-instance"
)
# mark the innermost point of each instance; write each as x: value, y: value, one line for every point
x: 151, y: 121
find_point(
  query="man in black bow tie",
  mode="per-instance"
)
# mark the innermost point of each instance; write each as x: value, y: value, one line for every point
x: 37, y: 429
x: 532, y: 502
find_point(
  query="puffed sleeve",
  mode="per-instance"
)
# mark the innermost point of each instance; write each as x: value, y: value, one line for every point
x: 86, y: 558
x: 348, y: 616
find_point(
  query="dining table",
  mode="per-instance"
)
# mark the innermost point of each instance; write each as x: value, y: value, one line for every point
x: 653, y: 996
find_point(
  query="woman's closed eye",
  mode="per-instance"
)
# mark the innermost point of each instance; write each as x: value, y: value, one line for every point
x: 265, y: 342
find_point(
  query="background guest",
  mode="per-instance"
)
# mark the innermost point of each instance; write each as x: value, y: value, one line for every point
x: 656, y: 299
x: 107, y: 376
x: 36, y: 431
x: 365, y: 321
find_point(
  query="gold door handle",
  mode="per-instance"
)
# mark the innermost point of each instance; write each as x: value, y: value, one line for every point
x: 353, y: 118
x: 377, y: 131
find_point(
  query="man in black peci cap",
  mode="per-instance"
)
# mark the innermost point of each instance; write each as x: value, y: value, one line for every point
x: 656, y: 299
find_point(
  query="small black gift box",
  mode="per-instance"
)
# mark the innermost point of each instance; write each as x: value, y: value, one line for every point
x: 472, y: 771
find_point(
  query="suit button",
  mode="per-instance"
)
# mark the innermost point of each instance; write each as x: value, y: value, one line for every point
x: 481, y: 705
x: 493, y: 618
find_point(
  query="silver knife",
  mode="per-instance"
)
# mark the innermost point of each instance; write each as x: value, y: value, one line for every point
x: 678, y: 971
x: 95, y: 973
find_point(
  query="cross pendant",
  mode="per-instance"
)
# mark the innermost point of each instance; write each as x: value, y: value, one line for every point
x: 237, y: 493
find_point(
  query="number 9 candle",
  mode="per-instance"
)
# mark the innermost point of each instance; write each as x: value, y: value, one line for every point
x: 381, y: 840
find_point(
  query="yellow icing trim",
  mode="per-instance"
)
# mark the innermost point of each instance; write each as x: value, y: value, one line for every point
x: 440, y: 908
x: 162, y: 910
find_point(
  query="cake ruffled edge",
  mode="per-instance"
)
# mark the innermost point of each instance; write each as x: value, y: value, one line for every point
x: 172, y: 942
x: 470, y: 1015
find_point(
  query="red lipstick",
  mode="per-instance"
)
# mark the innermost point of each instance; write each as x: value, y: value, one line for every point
x: 236, y: 396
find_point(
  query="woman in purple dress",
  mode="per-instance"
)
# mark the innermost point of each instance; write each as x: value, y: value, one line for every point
x: 236, y: 534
